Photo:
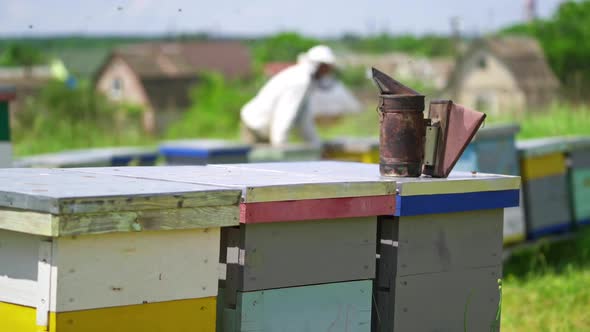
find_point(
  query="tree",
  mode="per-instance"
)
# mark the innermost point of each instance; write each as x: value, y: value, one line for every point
x: 284, y: 46
x: 19, y: 55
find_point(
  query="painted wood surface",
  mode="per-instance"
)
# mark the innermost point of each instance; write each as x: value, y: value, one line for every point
x: 17, y: 318
x: 263, y: 185
x: 117, y: 269
x: 497, y: 132
x: 304, y: 252
x: 580, y: 158
x: 220, y: 159
x: 449, y: 301
x: 19, y: 256
x: 447, y: 203
x: 329, y: 307
x: 543, y: 166
x: 5, y: 154
x: 310, y: 209
x: 542, y: 146
x: 457, y: 182
x: 201, y: 152
x: 514, y: 224
x: 119, y: 156
x: 546, y: 204
x: 194, y: 315
x: 580, y: 191
x: 439, y: 243
x: 43, y: 289
x: 294, y: 152
x: 497, y: 156
x: 59, y: 191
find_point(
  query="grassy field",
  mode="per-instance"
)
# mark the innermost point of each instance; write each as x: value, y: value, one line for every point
x: 557, y: 120
x: 546, y: 288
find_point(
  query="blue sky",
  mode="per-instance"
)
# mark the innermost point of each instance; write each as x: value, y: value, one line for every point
x: 257, y: 17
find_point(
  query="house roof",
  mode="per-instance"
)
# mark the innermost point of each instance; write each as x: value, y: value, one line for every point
x: 184, y: 59
x: 523, y: 57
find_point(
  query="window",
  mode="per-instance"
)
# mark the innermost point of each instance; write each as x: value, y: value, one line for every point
x: 117, y: 88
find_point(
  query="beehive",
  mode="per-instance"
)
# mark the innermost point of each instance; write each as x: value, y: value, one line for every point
x: 365, y: 150
x: 204, y: 151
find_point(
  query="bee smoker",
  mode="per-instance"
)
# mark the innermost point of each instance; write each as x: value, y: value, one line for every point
x: 411, y: 145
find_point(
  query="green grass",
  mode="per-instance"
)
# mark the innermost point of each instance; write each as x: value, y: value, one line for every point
x: 557, y: 120
x: 546, y: 288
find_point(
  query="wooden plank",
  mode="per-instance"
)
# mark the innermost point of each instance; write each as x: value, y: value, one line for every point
x: 542, y: 146
x: 149, y: 220
x: 330, y: 307
x: 43, y: 284
x: 448, y: 203
x: 457, y: 182
x: 17, y: 318
x: 34, y: 223
x: 580, y: 191
x: 546, y: 203
x: 543, y: 166
x: 308, y: 252
x: 496, y: 131
x: 448, y: 242
x: 292, y: 152
x: 118, y: 269
x: 19, y: 254
x: 450, y: 301
x: 310, y: 209
x: 195, y: 315
x: 259, y: 185
x: 68, y: 191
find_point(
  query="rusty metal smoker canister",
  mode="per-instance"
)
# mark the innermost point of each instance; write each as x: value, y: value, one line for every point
x: 402, y: 133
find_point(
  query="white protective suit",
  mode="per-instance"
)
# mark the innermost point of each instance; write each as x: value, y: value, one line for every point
x: 283, y: 103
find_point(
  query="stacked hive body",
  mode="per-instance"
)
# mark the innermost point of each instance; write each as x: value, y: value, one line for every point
x: 440, y: 258
x: 545, y: 186
x: 365, y: 150
x: 293, y: 152
x: 121, y: 156
x: 493, y: 150
x: 94, y: 252
x: 303, y: 256
x: 579, y: 178
x: 6, y: 95
x: 202, y: 152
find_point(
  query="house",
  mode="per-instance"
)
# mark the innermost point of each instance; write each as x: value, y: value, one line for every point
x: 159, y: 76
x: 508, y: 74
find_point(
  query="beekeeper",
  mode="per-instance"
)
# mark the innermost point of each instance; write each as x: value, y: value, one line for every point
x: 282, y: 105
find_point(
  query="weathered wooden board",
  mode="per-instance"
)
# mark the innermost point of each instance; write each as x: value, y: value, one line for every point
x: 119, y: 269
x: 17, y: 318
x: 342, y: 306
x: 120, y: 156
x: 547, y: 206
x: 305, y: 252
x: 580, y: 191
x: 450, y: 301
x: 440, y: 243
x: 309, y: 209
x: 260, y: 185
x: 194, y: 315
x: 457, y: 182
x: 293, y: 152
x: 543, y: 166
x: 19, y: 255
x: 60, y: 191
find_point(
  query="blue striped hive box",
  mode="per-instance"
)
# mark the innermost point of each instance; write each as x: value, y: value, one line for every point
x: 579, y: 178
x: 204, y: 151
